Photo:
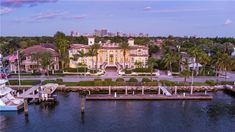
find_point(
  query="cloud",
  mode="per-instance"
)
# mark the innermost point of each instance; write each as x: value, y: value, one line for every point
x: 179, y: 10
x: 47, y: 15
x: 147, y: 8
x: 78, y: 17
x: 5, y: 10
x: 228, y: 22
x: 18, y: 3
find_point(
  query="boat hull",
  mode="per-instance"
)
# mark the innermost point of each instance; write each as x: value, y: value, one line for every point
x: 12, y: 107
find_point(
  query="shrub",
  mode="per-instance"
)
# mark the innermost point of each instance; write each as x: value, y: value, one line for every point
x: 93, y: 71
x: 59, y: 81
x: 108, y: 79
x: 79, y: 69
x: 132, y: 79
x: 142, y: 70
x: 128, y: 71
x: 71, y: 83
x: 120, y: 80
x: 167, y: 83
x: 145, y: 79
x: 210, y: 82
x: 153, y: 83
x: 226, y: 82
x: 24, y: 82
x: 86, y: 83
x: 48, y: 81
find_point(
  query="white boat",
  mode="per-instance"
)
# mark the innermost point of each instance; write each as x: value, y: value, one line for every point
x: 7, y: 100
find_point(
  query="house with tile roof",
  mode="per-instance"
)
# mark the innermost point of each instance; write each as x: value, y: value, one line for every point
x: 26, y: 62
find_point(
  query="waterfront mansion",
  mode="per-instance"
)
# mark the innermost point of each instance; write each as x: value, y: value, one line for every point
x: 109, y: 55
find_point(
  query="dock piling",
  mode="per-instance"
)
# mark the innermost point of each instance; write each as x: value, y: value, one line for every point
x: 109, y: 90
x: 26, y: 107
x: 83, y: 105
x: 126, y: 91
x: 159, y: 90
x: 142, y: 90
x: 175, y: 90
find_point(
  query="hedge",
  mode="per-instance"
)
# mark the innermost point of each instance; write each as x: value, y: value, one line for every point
x: 79, y: 69
x: 24, y: 82
x: 132, y: 79
x: 145, y: 79
x: 120, y: 80
x: 167, y: 83
x: 210, y: 82
x: 141, y: 70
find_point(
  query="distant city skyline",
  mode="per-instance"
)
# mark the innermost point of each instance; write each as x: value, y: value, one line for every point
x: 199, y: 18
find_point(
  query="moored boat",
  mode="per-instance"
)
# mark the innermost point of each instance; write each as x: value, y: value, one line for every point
x: 8, y: 102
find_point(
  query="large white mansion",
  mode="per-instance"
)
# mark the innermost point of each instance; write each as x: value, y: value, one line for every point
x: 109, y: 55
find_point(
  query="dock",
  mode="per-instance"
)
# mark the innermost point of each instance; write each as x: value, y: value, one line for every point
x: 43, y: 92
x: 30, y: 93
x: 149, y: 97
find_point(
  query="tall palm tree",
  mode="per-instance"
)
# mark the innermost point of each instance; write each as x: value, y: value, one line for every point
x: 185, y: 74
x: 75, y: 58
x: 124, y: 47
x: 204, y: 59
x: 151, y: 63
x: 46, y: 61
x: 168, y: 59
x: 62, y: 45
x: 35, y: 57
x: 96, y: 48
x: 91, y: 52
x: 82, y: 54
x: 196, y: 53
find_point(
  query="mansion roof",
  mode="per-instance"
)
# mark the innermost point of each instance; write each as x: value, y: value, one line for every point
x: 39, y: 49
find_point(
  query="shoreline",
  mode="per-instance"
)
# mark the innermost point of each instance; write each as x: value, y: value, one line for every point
x: 147, y: 89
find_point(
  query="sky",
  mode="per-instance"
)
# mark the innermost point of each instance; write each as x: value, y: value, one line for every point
x: 201, y: 18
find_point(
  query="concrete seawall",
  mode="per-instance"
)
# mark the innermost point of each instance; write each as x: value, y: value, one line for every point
x: 132, y: 88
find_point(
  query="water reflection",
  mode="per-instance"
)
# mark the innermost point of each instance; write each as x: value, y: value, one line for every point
x: 183, y: 116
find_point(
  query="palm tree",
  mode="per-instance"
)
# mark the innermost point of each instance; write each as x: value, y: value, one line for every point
x: 75, y: 58
x: 151, y: 63
x: 46, y: 61
x: 196, y: 53
x: 35, y: 57
x: 82, y: 54
x: 204, y: 59
x: 91, y: 52
x: 62, y: 45
x: 169, y: 58
x: 185, y: 74
x: 96, y: 48
x: 124, y: 47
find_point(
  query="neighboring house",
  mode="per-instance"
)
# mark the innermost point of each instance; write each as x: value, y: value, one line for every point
x: 233, y: 53
x: 27, y: 65
x: 190, y: 61
x: 109, y: 55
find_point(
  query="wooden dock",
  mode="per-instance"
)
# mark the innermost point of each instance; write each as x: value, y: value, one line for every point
x: 30, y: 93
x: 149, y: 97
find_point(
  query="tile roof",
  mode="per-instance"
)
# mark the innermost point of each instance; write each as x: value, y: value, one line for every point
x: 39, y: 49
